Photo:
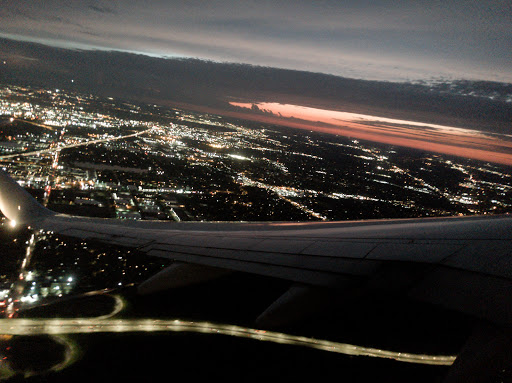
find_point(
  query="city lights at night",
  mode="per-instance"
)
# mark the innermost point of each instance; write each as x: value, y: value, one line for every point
x: 253, y: 190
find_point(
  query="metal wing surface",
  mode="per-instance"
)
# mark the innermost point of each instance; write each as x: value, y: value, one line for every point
x: 461, y: 263
x: 464, y: 263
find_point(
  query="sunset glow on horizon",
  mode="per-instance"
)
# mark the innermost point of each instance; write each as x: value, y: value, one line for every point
x: 449, y: 140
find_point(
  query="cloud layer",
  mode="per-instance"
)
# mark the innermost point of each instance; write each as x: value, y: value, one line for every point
x: 386, y: 40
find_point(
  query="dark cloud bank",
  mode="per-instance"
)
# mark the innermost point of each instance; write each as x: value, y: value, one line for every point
x: 478, y: 105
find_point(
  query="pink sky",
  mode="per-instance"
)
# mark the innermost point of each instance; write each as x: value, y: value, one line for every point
x: 429, y: 137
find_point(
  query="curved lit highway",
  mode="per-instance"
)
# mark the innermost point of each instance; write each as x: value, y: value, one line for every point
x: 94, y: 325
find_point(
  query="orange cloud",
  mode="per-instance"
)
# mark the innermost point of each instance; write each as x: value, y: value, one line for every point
x: 429, y: 137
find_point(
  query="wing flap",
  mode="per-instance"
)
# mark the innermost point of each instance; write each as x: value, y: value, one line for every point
x: 296, y: 303
x: 328, y: 264
x: 414, y: 252
x: 302, y: 275
x: 180, y: 275
x: 481, y: 295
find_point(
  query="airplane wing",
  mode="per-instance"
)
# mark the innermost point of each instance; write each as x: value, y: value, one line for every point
x: 462, y: 263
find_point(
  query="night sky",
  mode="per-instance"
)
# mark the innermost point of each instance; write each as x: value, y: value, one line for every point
x: 377, y: 39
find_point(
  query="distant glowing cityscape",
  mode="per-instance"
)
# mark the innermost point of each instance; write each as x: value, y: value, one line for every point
x: 103, y: 157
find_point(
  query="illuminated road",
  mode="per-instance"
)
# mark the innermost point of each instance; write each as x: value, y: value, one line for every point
x: 95, y: 325
x: 59, y: 148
